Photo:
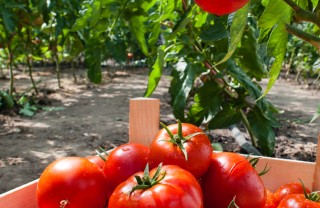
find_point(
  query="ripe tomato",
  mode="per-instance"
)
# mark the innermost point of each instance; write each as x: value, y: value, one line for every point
x: 192, y: 154
x: 288, y: 188
x: 231, y: 176
x: 168, y: 187
x: 72, y: 182
x: 124, y: 161
x: 297, y: 201
x: 96, y: 159
x: 221, y: 7
x: 270, y: 201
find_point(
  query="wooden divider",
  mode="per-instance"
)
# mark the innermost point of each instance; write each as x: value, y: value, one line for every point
x: 144, y: 119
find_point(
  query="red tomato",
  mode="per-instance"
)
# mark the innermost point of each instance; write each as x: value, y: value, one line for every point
x: 297, y: 201
x: 169, y: 151
x: 231, y: 176
x: 288, y: 188
x: 96, y: 159
x: 270, y: 201
x: 221, y: 7
x: 124, y: 161
x: 72, y: 182
x: 175, y: 188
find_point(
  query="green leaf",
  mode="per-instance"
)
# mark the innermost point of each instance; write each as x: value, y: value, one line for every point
x: 217, y: 147
x: 8, y: 19
x: 272, y: 23
x: 93, y: 60
x: 138, y: 28
x: 180, y: 26
x: 8, y: 99
x: 225, y: 118
x: 207, y: 102
x: 239, y: 22
x: 277, y: 43
x: 316, y: 115
x: 156, y: 72
x: 216, y: 32
x: 248, y: 55
x: 183, y: 75
x: 262, y: 129
x: 28, y: 110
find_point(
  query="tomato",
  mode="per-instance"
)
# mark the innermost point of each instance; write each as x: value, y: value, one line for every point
x: 231, y: 176
x: 221, y: 7
x: 168, y: 187
x: 124, y: 161
x: 270, y: 201
x: 72, y: 182
x: 288, y: 188
x: 189, y: 148
x: 297, y: 201
x: 96, y: 159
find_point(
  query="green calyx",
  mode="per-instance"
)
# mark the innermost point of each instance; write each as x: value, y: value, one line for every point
x: 146, y: 181
x: 178, y: 139
x: 313, y: 196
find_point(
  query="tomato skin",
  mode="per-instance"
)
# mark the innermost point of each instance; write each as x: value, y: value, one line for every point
x: 270, y: 201
x: 198, y: 149
x: 297, y: 201
x: 179, y: 188
x: 221, y: 7
x: 124, y: 161
x: 231, y: 175
x: 288, y: 188
x: 96, y: 159
x: 75, y: 180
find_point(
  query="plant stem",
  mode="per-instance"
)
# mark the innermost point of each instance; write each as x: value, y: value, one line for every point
x: 304, y: 15
x: 30, y: 74
x: 11, y: 89
x: 247, y: 125
x: 313, y: 40
x: 29, y: 58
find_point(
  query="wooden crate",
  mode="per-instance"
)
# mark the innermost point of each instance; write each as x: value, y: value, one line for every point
x: 144, y: 113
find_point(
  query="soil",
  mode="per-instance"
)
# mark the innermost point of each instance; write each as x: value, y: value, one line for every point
x: 80, y: 117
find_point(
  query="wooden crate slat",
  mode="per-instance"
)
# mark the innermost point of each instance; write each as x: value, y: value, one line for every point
x: 21, y: 197
x: 285, y: 171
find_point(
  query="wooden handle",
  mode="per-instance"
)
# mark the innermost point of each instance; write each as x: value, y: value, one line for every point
x: 144, y: 119
x: 316, y: 177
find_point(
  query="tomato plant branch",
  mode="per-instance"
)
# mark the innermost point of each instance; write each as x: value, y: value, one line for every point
x: 304, y: 15
x: 313, y: 40
x: 247, y: 125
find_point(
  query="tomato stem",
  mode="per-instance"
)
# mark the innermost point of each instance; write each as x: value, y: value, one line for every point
x: 178, y: 139
x: 146, y: 181
x: 313, y: 196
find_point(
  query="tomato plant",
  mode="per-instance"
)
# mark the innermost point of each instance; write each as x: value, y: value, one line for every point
x: 184, y: 145
x: 124, y: 161
x: 72, y: 182
x: 221, y: 7
x: 287, y: 189
x: 230, y: 176
x: 297, y: 201
x: 168, y: 186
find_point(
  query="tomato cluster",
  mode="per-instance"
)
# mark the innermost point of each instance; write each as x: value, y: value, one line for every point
x: 178, y: 169
x: 292, y: 195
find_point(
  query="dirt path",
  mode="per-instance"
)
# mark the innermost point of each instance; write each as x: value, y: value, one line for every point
x: 88, y: 116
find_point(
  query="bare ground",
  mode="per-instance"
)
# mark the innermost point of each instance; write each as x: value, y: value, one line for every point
x: 87, y: 116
